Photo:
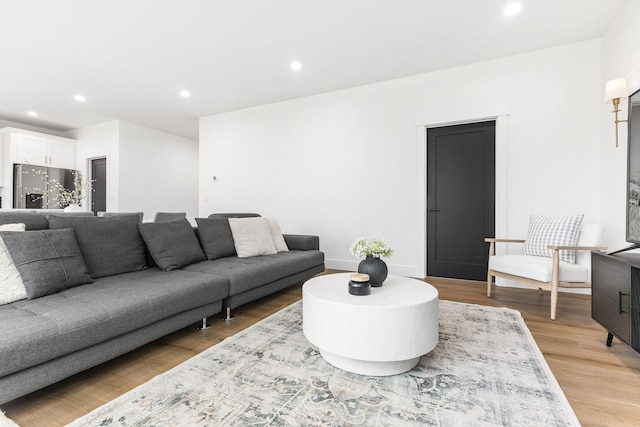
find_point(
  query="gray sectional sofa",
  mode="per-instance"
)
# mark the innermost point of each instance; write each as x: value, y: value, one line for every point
x: 98, y: 287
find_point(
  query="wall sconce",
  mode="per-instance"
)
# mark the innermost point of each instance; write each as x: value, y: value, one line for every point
x: 614, y: 90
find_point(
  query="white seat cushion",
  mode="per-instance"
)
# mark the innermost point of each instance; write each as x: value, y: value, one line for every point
x: 538, y: 268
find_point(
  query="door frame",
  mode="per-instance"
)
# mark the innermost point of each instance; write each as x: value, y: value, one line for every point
x: 499, y: 113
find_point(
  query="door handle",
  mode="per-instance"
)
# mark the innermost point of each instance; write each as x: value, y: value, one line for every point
x: 620, y: 310
x: 434, y: 210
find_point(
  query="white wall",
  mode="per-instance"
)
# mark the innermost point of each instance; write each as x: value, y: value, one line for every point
x: 351, y: 163
x: 158, y: 172
x: 95, y: 142
x: 620, y: 58
x: 147, y: 170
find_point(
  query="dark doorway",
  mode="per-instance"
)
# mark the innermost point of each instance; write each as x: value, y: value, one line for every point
x: 99, y: 177
x: 460, y: 199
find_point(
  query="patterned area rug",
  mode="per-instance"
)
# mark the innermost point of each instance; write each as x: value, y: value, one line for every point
x: 485, y: 371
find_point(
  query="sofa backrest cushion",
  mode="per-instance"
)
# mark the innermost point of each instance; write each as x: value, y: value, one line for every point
x: 31, y: 220
x: 139, y: 214
x: 62, y: 213
x: 49, y: 261
x: 233, y: 215
x: 215, y: 237
x: 110, y: 245
x: 172, y: 244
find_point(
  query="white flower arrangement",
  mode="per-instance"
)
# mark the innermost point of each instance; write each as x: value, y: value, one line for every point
x: 61, y: 195
x: 376, y: 248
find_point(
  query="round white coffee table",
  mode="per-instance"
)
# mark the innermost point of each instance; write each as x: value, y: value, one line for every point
x: 381, y: 334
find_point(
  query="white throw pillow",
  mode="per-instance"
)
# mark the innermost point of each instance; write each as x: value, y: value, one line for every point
x: 11, y: 286
x: 251, y: 237
x: 276, y: 235
x: 544, y: 230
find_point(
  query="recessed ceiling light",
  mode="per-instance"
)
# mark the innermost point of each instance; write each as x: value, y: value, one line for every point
x: 32, y: 113
x: 79, y: 98
x: 185, y: 94
x: 512, y: 9
x: 296, y: 66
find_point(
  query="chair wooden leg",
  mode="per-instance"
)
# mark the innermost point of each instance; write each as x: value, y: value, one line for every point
x: 555, y: 283
x: 492, y: 252
x: 554, y: 302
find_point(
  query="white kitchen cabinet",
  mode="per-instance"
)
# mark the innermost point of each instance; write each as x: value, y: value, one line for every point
x: 39, y: 149
x: 29, y: 149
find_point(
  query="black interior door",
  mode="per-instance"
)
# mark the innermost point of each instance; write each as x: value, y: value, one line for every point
x: 99, y: 177
x: 460, y: 199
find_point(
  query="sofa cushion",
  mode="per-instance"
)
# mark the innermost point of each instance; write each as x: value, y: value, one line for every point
x: 11, y: 286
x: 544, y: 230
x: 276, y: 235
x: 49, y: 261
x: 35, y: 331
x: 249, y: 273
x: 251, y: 237
x: 302, y: 242
x: 216, y: 238
x: 31, y: 220
x: 110, y: 245
x: 172, y: 244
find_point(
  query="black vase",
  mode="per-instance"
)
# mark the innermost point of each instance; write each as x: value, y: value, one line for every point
x: 375, y: 268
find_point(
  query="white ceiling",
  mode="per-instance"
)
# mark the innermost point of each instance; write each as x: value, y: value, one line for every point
x: 130, y: 58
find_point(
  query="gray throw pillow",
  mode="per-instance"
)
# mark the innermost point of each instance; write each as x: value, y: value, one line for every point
x: 48, y: 261
x: 216, y: 238
x: 172, y: 244
x: 110, y: 245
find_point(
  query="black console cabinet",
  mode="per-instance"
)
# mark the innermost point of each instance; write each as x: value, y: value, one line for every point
x: 615, y: 300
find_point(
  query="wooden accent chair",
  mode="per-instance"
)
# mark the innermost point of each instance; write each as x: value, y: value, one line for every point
x: 548, y: 273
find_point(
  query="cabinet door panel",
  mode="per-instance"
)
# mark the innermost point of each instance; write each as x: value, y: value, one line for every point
x: 635, y: 309
x: 611, y: 296
x: 62, y: 155
x: 31, y: 150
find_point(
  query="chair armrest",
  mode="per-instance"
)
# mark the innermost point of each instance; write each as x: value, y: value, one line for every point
x: 494, y: 240
x: 302, y: 242
x: 577, y: 248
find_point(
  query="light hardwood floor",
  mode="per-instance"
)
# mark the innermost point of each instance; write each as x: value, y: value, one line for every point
x: 602, y: 384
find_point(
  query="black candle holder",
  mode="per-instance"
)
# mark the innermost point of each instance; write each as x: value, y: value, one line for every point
x: 359, y: 284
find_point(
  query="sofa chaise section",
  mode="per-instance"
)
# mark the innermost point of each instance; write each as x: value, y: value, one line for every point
x: 37, y: 330
x: 104, y: 319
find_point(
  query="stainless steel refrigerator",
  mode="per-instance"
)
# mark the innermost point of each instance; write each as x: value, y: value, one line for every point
x: 34, y: 186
